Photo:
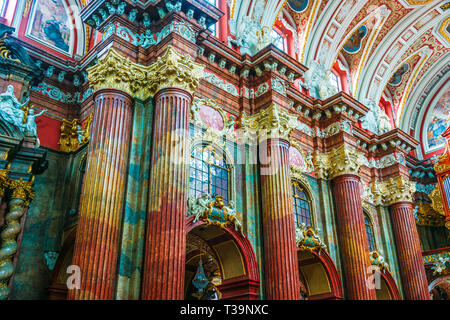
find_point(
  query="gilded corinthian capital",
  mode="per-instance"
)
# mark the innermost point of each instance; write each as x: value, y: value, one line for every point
x: 174, y: 70
x: 339, y: 161
x: 272, y: 122
x: 394, y: 190
x: 171, y: 70
x: 117, y: 72
x: 22, y: 190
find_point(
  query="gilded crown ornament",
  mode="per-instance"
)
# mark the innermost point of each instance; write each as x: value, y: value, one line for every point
x: 377, y: 260
x: 307, y: 239
x: 339, y: 161
x: 174, y: 70
x: 170, y: 70
x: 394, y: 190
x: 272, y: 122
x: 117, y: 72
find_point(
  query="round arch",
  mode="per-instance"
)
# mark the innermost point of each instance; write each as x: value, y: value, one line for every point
x: 320, y: 274
x: 388, y: 290
x: 238, y: 264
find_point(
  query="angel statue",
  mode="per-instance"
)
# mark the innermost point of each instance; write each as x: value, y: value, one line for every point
x: 10, y: 108
x: 30, y: 126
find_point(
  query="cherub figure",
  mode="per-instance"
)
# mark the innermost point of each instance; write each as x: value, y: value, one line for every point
x: 30, y: 126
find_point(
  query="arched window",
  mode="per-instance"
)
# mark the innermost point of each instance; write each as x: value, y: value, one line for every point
x: 302, y: 205
x: 277, y: 39
x: 213, y: 27
x: 209, y: 172
x: 369, y: 231
x: 335, y: 80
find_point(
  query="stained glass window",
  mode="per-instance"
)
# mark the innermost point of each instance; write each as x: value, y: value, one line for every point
x: 302, y: 205
x: 209, y: 173
x: 369, y: 232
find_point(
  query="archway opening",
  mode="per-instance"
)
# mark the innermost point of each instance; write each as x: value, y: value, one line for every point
x: 318, y: 275
x: 228, y: 263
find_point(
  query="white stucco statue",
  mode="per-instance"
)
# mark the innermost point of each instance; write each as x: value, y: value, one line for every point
x: 10, y: 108
x: 30, y: 125
x: 317, y: 81
x: 376, y: 119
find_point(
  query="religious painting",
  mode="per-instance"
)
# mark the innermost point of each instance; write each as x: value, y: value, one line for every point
x: 49, y: 24
x: 211, y: 117
x: 396, y: 78
x: 353, y: 44
x: 296, y: 157
x: 298, y: 5
x: 439, y: 122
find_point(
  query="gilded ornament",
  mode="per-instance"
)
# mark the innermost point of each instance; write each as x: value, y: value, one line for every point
x: 117, y: 72
x: 339, y: 161
x: 170, y: 70
x: 394, y: 190
x: 174, y: 70
x: 4, y: 181
x: 427, y: 216
x: 377, y: 260
x: 21, y: 190
x: 307, y: 239
x: 272, y: 122
x: 436, y: 200
x: 214, y: 212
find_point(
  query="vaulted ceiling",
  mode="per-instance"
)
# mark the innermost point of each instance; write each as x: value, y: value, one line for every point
x: 397, y: 50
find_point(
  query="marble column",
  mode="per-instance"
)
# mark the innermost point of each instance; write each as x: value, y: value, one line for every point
x: 397, y: 193
x: 173, y: 78
x: 102, y: 198
x: 97, y: 239
x: 280, y: 254
x: 21, y: 196
x: 342, y: 165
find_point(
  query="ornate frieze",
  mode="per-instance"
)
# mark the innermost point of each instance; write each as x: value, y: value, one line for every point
x: 339, y: 161
x: 222, y: 84
x: 170, y: 70
x: 57, y: 94
x: 394, y: 190
x: 308, y: 239
x: 147, y: 38
x: 272, y: 122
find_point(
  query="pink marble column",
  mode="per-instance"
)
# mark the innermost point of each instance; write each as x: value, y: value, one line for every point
x: 100, y: 215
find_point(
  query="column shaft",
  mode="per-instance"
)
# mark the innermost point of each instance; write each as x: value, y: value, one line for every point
x: 100, y: 214
x: 352, y: 236
x: 280, y: 254
x: 165, y: 249
x: 409, y: 253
